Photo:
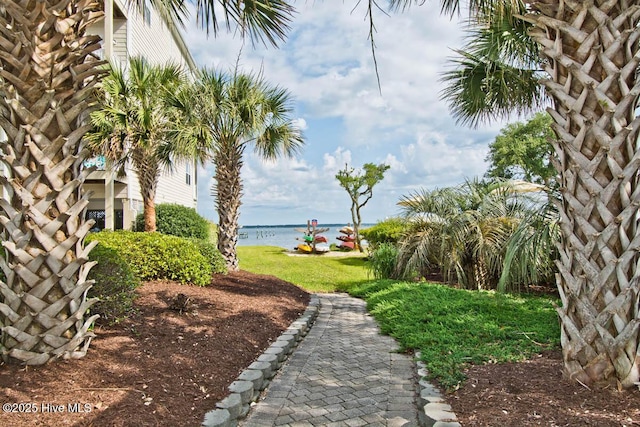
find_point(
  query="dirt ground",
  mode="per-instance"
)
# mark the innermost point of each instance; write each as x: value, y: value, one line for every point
x: 161, y: 367
x: 534, y: 393
x: 167, y: 368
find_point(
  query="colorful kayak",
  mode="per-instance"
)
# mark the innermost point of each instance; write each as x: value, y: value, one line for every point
x: 347, y: 245
x: 321, y: 249
x: 302, y: 247
x: 346, y: 230
x: 346, y: 238
x: 320, y: 239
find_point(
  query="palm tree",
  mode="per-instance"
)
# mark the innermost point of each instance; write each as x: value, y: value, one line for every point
x: 588, y: 51
x: 134, y: 123
x: 464, y: 231
x: 227, y: 113
x: 47, y: 88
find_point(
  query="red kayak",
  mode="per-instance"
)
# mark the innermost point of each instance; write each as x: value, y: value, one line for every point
x: 321, y: 239
x: 346, y: 238
x: 347, y: 245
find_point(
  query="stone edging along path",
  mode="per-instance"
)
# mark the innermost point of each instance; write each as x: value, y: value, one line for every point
x: 246, y: 390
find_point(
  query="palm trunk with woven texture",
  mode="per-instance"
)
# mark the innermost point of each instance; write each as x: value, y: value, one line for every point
x: 228, y: 163
x: 47, y: 86
x: 148, y: 171
x: 591, y: 52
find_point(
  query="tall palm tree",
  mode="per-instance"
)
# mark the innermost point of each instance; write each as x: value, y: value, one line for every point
x: 134, y: 123
x: 228, y: 113
x: 47, y: 88
x: 589, y: 53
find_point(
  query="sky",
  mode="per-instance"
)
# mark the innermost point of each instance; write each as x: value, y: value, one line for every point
x: 327, y: 66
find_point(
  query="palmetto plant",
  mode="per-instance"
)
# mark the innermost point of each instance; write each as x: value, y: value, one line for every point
x: 464, y: 231
x: 225, y: 114
x: 48, y: 80
x: 588, y: 56
x: 134, y: 124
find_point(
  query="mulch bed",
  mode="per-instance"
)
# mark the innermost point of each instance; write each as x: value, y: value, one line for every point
x: 164, y: 367
x: 534, y: 393
x: 160, y: 367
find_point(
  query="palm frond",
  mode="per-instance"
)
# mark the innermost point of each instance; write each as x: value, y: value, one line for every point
x: 480, y: 89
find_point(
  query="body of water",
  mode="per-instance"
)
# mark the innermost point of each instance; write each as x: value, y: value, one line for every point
x: 284, y: 236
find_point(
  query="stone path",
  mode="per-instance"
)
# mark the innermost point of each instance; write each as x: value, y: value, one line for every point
x: 344, y: 373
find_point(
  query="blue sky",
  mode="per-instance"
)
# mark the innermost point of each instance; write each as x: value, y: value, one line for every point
x: 327, y: 66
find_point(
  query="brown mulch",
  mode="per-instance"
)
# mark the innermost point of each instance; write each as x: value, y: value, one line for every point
x: 534, y: 393
x: 164, y: 367
x: 160, y: 367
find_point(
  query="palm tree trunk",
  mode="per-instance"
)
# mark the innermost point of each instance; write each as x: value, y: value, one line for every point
x: 47, y: 86
x: 592, y: 53
x: 228, y: 163
x: 148, y: 171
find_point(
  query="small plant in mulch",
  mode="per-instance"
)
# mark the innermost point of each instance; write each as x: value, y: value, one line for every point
x: 182, y: 304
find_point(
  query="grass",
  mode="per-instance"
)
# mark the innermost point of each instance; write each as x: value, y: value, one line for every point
x: 452, y: 328
x: 313, y: 273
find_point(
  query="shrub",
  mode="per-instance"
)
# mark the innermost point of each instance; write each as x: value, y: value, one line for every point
x: 115, y: 285
x: 156, y: 256
x: 213, y: 256
x: 177, y: 220
x: 387, y: 231
x: 382, y: 261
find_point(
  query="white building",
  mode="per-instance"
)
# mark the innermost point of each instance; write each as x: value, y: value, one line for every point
x: 128, y: 32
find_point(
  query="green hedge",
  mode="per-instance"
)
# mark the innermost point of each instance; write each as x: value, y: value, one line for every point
x: 388, y: 231
x: 157, y: 256
x: 115, y: 285
x: 213, y: 256
x: 177, y: 220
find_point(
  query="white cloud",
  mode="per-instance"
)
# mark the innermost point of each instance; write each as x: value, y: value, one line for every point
x: 300, y: 123
x: 327, y: 66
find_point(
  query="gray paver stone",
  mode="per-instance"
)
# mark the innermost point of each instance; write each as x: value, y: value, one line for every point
x: 270, y: 359
x: 217, y: 418
x: 278, y: 352
x: 232, y: 403
x: 439, y: 412
x: 265, y: 367
x: 244, y: 389
x: 256, y: 377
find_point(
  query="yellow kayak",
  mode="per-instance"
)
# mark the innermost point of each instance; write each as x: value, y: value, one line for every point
x: 304, y: 248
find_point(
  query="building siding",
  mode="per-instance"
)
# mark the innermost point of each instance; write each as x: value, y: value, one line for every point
x: 153, y: 40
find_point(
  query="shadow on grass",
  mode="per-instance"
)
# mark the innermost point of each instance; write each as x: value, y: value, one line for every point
x: 352, y: 261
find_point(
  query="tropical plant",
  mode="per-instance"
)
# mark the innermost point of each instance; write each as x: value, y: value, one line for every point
x: 47, y: 88
x: 589, y: 54
x: 226, y: 113
x: 382, y: 261
x: 48, y: 81
x: 359, y: 185
x: 463, y: 231
x: 134, y: 125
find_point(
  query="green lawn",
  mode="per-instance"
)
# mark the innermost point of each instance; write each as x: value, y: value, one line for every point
x: 450, y: 327
x: 315, y: 273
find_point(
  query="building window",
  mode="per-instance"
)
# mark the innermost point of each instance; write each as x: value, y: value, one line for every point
x: 188, y: 174
x: 146, y: 12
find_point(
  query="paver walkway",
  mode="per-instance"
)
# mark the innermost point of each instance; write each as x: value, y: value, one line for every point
x: 344, y: 373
